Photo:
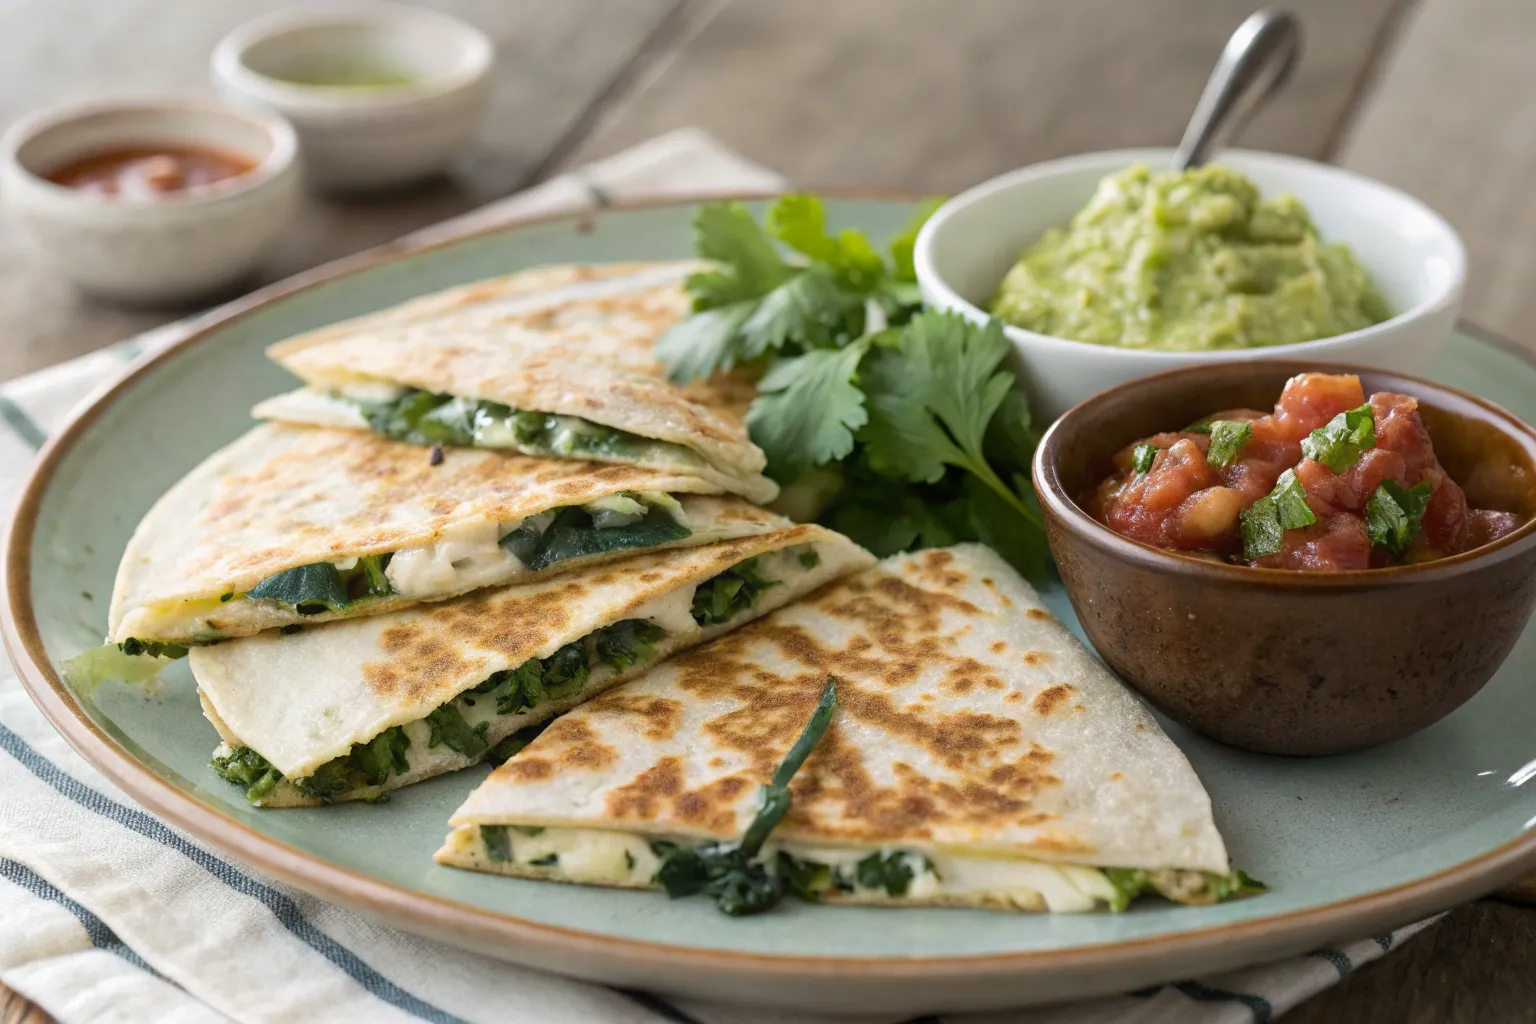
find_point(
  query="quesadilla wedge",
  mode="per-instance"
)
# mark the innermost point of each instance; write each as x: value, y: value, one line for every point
x: 355, y: 709
x: 978, y: 756
x: 550, y: 362
x: 292, y: 525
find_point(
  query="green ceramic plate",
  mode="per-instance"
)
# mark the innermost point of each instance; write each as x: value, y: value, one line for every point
x: 1349, y: 845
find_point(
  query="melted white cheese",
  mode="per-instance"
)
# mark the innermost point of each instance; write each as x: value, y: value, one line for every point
x: 464, y: 559
x: 370, y: 390
x: 594, y: 856
x: 597, y: 856
x: 672, y: 611
x: 315, y: 408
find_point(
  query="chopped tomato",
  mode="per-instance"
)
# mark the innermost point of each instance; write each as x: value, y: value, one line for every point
x: 1184, y: 503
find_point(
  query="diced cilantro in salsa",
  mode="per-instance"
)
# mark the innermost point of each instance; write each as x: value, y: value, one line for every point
x: 1265, y: 521
x: 1143, y: 456
x: 1393, y: 514
x: 1339, y: 443
x: 1227, y: 440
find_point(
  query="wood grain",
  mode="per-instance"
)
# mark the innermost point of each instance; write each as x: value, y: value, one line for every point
x: 554, y: 61
x: 1474, y: 967
x: 1449, y: 120
x: 16, y: 1010
x: 938, y: 96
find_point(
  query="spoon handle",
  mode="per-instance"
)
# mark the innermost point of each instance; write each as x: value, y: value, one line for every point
x: 1256, y: 62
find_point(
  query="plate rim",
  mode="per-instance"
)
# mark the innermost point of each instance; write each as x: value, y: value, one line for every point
x: 458, y: 921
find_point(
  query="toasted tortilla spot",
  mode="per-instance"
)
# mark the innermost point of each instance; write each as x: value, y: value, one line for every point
x: 1115, y: 776
x: 1038, y: 613
x: 1037, y: 658
x: 657, y: 718
x: 1050, y: 698
x: 577, y: 746
x: 529, y: 769
x: 1013, y: 696
x: 999, y: 646
x: 641, y: 796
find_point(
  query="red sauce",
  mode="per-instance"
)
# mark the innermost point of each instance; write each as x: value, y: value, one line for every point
x: 149, y: 172
x: 1185, y: 503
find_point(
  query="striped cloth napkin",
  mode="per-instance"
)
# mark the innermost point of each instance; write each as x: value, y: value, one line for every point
x: 107, y: 914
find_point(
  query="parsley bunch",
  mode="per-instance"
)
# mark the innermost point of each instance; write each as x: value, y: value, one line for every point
x: 895, y: 427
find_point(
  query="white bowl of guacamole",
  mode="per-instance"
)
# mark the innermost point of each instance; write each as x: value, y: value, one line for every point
x: 1107, y: 267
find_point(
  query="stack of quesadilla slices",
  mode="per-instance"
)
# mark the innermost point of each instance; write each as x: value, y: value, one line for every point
x: 975, y: 755
x: 485, y: 506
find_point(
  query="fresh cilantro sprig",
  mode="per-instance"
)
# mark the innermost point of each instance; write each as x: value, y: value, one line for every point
x: 754, y: 301
x: 896, y: 427
x: 1394, y: 513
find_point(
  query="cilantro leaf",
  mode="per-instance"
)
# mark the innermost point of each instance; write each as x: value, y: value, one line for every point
x: 903, y: 242
x: 750, y: 266
x: 808, y: 409
x: 807, y: 311
x: 1142, y: 457
x: 1197, y: 428
x: 800, y: 222
x: 1339, y: 443
x: 1393, y: 514
x: 1265, y: 521
x: 1227, y: 440
x: 1291, y: 502
x: 705, y: 343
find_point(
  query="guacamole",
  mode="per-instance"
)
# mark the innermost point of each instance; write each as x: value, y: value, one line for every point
x: 1188, y: 260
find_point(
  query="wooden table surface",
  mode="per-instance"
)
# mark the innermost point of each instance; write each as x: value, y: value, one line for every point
x: 1430, y: 95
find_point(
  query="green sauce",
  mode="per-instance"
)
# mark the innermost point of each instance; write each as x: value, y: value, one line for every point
x: 348, y: 74
x: 1188, y: 261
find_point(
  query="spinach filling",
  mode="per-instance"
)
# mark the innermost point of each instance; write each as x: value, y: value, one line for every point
x: 727, y: 595
x: 321, y: 587
x: 367, y: 766
x: 731, y: 873
x: 133, y: 647
x: 576, y: 532
x: 424, y: 418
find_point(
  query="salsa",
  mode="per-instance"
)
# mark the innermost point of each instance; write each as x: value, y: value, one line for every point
x: 1188, y: 261
x: 150, y: 172
x: 1329, y: 481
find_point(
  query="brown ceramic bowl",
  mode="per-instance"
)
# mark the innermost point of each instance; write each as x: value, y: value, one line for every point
x: 1293, y: 662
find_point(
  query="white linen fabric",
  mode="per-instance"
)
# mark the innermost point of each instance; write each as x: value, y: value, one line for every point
x: 108, y: 914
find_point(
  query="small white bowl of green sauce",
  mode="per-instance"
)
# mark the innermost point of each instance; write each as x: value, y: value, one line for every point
x: 1328, y: 266
x: 381, y: 94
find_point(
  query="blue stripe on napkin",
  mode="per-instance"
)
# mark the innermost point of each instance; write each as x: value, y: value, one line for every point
x: 1262, y: 1012
x: 21, y: 424
x: 282, y: 906
x: 96, y: 930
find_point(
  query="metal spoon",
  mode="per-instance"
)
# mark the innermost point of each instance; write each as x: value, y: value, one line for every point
x: 1256, y: 62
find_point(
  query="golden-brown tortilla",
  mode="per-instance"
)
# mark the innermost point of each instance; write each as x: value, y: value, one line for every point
x: 573, y: 341
x: 305, y: 698
x: 284, y: 496
x: 967, y: 719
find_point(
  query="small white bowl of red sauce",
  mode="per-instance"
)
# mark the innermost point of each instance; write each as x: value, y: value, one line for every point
x: 150, y: 201
x: 381, y: 94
